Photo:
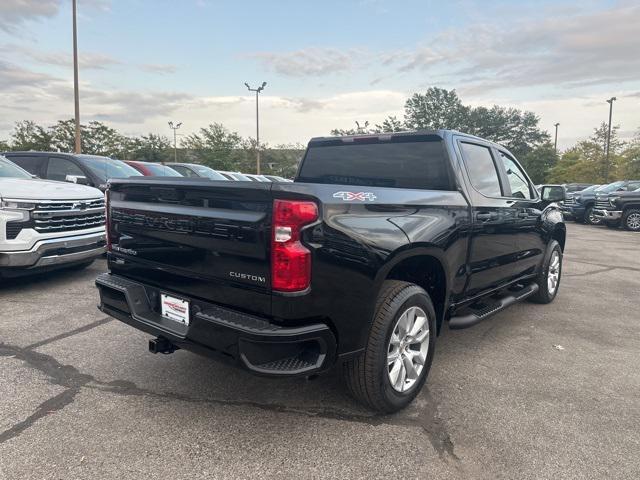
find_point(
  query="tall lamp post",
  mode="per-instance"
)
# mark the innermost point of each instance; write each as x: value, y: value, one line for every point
x: 555, y: 142
x: 76, y: 95
x: 606, y: 165
x: 257, y: 90
x: 175, y: 144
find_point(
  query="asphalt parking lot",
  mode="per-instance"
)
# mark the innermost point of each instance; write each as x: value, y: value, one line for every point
x: 533, y: 392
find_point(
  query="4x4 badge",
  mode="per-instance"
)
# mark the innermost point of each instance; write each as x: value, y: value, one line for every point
x: 349, y: 196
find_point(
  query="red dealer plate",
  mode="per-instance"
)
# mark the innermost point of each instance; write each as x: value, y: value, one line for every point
x: 175, y: 309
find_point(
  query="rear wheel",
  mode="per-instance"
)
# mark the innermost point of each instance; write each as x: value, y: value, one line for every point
x: 397, y: 358
x: 631, y: 220
x: 548, y: 279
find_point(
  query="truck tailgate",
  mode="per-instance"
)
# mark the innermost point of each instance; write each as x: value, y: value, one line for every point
x: 200, y: 238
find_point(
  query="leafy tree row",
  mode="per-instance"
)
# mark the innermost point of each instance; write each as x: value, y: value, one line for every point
x: 220, y: 148
x: 520, y: 132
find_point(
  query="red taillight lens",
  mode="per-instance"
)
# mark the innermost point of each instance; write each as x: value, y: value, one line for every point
x: 290, y: 260
x: 107, y: 226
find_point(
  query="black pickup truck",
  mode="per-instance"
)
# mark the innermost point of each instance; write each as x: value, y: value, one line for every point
x: 358, y: 263
x: 620, y: 208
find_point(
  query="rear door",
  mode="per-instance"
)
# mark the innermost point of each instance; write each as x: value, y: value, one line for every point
x: 195, y: 237
x: 493, y: 245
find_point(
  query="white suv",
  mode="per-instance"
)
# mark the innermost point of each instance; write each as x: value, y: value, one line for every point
x: 46, y: 224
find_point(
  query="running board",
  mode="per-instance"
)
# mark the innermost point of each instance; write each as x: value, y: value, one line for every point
x: 477, y: 315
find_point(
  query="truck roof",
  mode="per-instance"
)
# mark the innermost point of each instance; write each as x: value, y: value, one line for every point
x: 442, y: 133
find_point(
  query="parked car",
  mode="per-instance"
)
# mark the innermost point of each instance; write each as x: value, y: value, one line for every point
x: 580, y: 206
x: 277, y: 178
x: 237, y: 176
x: 360, y: 261
x: 257, y: 178
x: 576, y: 187
x: 619, y: 208
x: 46, y: 225
x: 196, y: 170
x: 91, y: 170
x: 152, y: 169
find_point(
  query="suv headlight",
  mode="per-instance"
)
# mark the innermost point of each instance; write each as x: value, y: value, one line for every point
x: 613, y: 200
x: 15, y: 205
x: 577, y: 198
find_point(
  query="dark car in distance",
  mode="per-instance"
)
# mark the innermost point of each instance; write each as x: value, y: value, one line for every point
x: 619, y: 208
x: 380, y: 242
x: 92, y: 170
x: 580, y: 206
x: 152, y: 169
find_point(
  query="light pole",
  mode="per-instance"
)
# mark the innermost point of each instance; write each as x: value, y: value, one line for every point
x: 175, y: 145
x: 257, y: 90
x: 606, y: 164
x: 555, y: 142
x: 76, y: 95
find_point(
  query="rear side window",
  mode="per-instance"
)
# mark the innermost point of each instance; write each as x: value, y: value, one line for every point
x: 482, y: 170
x: 30, y: 164
x: 401, y: 163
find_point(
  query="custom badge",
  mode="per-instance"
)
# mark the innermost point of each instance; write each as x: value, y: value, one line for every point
x: 358, y: 196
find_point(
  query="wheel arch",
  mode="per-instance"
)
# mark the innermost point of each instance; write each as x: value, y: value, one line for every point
x: 425, y: 267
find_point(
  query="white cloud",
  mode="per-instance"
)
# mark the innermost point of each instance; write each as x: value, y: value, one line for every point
x: 310, y: 61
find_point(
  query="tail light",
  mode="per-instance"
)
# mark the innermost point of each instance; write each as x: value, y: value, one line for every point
x: 290, y: 260
x: 107, y: 219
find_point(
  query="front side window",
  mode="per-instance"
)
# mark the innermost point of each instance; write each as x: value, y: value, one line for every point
x: 517, y: 180
x: 482, y: 170
x: 58, y: 168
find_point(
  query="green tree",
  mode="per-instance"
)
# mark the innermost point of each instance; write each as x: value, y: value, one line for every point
x: 437, y: 108
x: 215, y: 146
x: 27, y: 135
x: 629, y: 166
x: 539, y: 161
x: 63, y: 135
x: 150, y: 148
x: 99, y: 139
x: 586, y: 161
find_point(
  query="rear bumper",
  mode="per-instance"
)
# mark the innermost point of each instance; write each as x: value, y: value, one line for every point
x: 608, y: 215
x: 56, y: 251
x: 254, y: 343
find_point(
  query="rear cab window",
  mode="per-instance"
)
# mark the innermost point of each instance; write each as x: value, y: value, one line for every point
x: 412, y: 162
x: 481, y: 168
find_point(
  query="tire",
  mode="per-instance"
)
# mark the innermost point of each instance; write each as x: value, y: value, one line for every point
x: 544, y: 293
x: 590, y: 218
x: 631, y: 220
x: 368, y: 376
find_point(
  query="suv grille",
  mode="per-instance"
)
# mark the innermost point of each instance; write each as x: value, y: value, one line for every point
x: 569, y: 200
x: 603, y: 203
x: 68, y: 215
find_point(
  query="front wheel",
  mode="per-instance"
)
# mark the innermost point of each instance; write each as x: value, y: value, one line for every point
x: 631, y: 220
x: 396, y: 361
x: 591, y: 218
x: 548, y: 278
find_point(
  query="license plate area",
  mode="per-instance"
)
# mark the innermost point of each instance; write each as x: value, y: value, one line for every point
x: 174, y: 309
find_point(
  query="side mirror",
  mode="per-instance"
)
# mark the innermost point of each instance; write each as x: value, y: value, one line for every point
x: 79, y: 179
x: 553, y: 193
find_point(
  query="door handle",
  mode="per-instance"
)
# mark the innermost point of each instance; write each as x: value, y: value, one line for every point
x: 486, y: 216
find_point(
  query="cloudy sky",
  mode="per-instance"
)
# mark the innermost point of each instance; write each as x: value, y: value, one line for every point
x: 327, y: 63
